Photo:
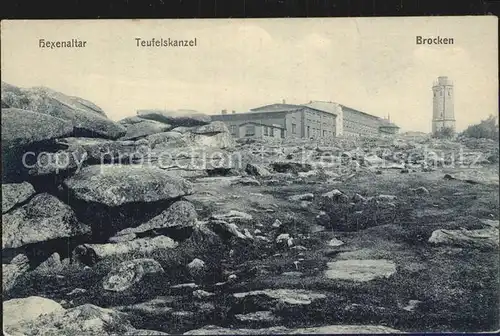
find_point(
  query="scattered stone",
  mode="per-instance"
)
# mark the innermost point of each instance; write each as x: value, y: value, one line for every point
x: 257, y: 170
x: 144, y: 332
x: 360, y: 270
x: 90, y: 254
x: 263, y: 238
x: 284, y: 238
x: 201, y: 294
x: 52, y: 264
x: 481, y: 238
x: 226, y: 230
x: 233, y: 215
x: 264, y: 316
x: 357, y: 198
x: 130, y: 273
x: 277, y: 223
x: 291, y: 167
x: 420, y: 191
x: 247, y: 234
x: 386, y: 198
x: 14, y: 194
x: 335, y: 242
x: 43, y: 218
x: 289, y: 296
x: 293, y: 274
x: 77, y: 291
x: 302, y: 197
x: 412, y: 305
x: 191, y: 285
x: 250, y: 181
x: 197, y: 268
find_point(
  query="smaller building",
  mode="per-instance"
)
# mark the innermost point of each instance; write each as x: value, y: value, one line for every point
x: 251, y: 129
x: 387, y: 127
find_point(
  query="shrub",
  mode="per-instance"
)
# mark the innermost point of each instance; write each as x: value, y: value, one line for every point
x: 487, y: 129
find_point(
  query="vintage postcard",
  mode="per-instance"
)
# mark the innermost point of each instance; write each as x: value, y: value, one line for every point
x: 250, y: 176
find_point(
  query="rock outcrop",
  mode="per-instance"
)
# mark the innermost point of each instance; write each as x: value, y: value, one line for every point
x: 86, y: 118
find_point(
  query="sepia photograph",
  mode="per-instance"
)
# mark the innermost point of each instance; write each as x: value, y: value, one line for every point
x: 250, y: 176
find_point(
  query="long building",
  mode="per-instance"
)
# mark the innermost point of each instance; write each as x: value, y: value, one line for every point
x: 316, y: 119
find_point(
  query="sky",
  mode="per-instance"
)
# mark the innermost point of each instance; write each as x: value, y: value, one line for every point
x: 371, y: 64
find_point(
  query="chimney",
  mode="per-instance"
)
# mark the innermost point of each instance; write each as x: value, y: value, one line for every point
x: 224, y: 111
x: 234, y: 111
x: 284, y: 101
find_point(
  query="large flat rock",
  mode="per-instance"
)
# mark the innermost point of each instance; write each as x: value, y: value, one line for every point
x: 180, y: 214
x: 176, y: 118
x: 144, y: 128
x: 360, y: 270
x: 115, y: 185
x: 82, y: 320
x: 21, y: 128
x: 43, y: 218
x: 87, y: 119
x: 16, y: 311
x: 328, y: 329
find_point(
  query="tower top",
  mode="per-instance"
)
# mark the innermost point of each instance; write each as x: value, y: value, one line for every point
x: 443, y: 80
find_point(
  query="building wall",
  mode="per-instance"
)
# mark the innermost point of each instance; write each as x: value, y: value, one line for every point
x: 294, y: 124
x: 233, y: 121
x: 318, y: 124
x: 356, y: 123
x: 259, y: 131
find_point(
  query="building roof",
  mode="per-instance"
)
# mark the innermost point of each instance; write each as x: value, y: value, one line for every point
x: 324, y: 106
x: 277, y: 108
x: 387, y: 123
x: 261, y: 124
x: 358, y: 111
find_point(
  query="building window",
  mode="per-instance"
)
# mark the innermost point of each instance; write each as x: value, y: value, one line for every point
x: 324, y: 133
x: 308, y: 131
x: 233, y: 129
x: 266, y: 130
x: 294, y: 129
x: 282, y: 133
x: 250, y: 130
x: 271, y: 131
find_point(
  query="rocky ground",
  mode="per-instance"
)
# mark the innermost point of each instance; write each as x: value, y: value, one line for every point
x: 162, y: 223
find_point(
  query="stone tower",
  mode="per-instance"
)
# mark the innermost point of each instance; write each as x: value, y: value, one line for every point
x: 443, y: 114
